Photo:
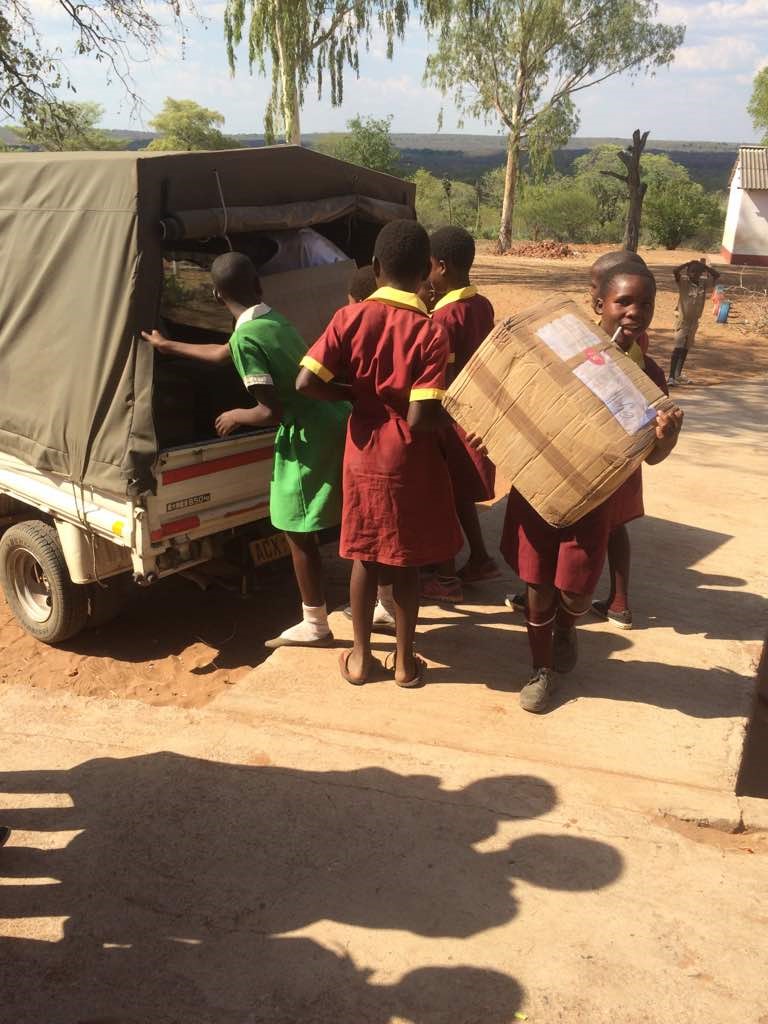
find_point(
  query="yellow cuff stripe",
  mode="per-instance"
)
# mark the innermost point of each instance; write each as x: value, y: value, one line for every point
x: 424, y: 394
x: 317, y: 368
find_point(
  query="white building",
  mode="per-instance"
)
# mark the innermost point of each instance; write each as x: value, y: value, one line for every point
x: 745, y: 235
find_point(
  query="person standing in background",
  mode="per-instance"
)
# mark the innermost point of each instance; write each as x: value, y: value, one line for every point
x: 691, y: 278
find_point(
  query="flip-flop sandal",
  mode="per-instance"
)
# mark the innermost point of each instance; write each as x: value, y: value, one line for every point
x: 374, y: 669
x: 490, y: 572
x: 414, y: 681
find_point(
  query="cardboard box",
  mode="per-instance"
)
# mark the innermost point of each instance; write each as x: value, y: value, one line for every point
x: 565, y: 415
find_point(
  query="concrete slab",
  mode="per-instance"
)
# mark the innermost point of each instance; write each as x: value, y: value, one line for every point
x: 666, y: 702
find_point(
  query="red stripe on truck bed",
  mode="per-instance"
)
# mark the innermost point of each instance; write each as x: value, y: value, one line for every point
x: 174, y: 476
x: 175, y: 526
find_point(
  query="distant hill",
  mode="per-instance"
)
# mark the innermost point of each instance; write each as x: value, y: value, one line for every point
x: 468, y: 157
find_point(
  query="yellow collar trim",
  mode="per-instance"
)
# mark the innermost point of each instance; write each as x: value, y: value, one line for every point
x: 455, y: 296
x: 402, y: 300
x: 635, y: 353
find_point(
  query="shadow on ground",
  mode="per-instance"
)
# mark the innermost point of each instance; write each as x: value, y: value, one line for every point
x: 667, y: 591
x: 185, y: 875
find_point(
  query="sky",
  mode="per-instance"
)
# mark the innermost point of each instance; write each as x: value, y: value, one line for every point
x: 702, y: 96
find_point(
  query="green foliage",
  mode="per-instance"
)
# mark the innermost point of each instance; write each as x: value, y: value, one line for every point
x: 758, y: 104
x: 67, y: 126
x: 306, y: 40
x: 368, y: 143
x: 519, y: 64
x: 437, y: 205
x: 185, y: 125
x: 678, y: 210
x: 560, y: 208
x: 116, y: 33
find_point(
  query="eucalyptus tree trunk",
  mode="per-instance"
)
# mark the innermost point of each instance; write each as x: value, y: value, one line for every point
x: 290, y: 94
x: 510, y: 191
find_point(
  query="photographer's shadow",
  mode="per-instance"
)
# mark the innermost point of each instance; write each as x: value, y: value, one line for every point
x: 180, y: 890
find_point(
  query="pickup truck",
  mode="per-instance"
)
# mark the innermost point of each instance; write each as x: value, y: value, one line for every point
x: 111, y: 474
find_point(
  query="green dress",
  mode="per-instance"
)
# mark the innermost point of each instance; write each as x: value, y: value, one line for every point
x: 309, y: 447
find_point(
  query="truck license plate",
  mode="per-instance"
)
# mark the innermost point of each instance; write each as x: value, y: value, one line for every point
x: 269, y: 549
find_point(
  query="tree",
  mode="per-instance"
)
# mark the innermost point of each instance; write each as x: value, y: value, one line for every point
x: 758, y: 104
x: 610, y: 194
x: 432, y: 202
x: 678, y: 210
x: 560, y: 208
x: 185, y: 125
x: 368, y: 143
x: 116, y: 33
x: 305, y: 40
x: 520, y: 63
x: 67, y: 126
x: 636, y: 187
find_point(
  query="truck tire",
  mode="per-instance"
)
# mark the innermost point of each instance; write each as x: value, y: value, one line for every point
x: 107, y: 600
x: 36, y: 583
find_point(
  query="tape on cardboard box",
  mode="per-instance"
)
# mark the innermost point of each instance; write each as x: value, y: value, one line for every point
x: 565, y: 415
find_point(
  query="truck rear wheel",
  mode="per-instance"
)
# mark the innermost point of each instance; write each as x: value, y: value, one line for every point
x: 36, y: 583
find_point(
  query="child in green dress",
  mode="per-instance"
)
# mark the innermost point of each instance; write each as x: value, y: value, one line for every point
x: 305, y: 495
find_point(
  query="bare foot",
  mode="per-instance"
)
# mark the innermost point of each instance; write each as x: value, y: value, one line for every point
x: 355, y: 667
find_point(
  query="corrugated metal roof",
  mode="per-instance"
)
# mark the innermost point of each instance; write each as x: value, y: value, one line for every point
x: 754, y: 166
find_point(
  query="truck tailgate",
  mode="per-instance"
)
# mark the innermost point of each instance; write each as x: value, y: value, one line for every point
x: 211, y: 486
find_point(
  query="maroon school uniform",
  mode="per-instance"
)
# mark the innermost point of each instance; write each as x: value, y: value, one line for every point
x: 572, y: 557
x: 468, y: 320
x: 398, y: 506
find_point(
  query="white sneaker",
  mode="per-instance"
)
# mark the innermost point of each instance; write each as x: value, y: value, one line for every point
x: 383, y: 620
x: 303, y: 634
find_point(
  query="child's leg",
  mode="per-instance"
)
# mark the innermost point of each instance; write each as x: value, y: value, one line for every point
x: 619, y: 559
x: 470, y: 524
x: 308, y: 569
x: 362, y: 593
x: 405, y: 591
x: 541, y: 611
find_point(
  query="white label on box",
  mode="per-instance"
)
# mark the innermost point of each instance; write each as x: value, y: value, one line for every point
x: 568, y: 336
x: 613, y: 387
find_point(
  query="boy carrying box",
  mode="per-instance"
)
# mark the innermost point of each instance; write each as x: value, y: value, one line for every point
x: 562, y: 566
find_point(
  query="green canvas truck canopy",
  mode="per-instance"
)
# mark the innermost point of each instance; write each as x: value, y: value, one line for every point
x: 82, y: 238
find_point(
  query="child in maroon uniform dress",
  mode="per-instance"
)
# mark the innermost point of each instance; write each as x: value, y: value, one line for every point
x: 468, y: 319
x: 627, y: 502
x: 562, y: 566
x: 398, y: 511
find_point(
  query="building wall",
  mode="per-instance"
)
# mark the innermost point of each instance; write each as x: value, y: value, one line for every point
x: 745, y: 235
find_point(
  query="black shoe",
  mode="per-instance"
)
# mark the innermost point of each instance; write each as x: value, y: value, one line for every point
x: 516, y: 602
x: 5, y: 835
x: 535, y: 696
x: 621, y: 619
x: 565, y: 650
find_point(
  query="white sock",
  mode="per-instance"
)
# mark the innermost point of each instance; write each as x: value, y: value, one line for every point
x: 313, y: 626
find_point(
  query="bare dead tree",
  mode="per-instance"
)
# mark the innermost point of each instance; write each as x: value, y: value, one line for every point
x: 636, y: 188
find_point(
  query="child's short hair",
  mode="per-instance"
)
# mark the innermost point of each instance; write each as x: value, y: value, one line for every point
x: 235, y: 276
x: 454, y: 246
x: 629, y: 269
x: 605, y: 263
x: 362, y: 283
x: 402, y: 249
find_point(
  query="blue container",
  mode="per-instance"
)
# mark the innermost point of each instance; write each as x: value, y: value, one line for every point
x: 723, y: 311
